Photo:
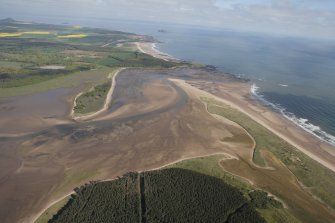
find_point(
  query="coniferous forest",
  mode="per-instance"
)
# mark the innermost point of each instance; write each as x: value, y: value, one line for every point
x: 169, y: 195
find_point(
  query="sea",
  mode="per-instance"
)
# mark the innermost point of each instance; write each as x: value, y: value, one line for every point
x: 294, y: 76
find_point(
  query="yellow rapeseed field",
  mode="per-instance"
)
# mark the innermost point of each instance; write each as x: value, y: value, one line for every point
x: 10, y: 34
x: 72, y: 36
x: 22, y: 33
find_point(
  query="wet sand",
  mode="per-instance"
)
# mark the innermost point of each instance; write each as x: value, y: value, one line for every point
x: 26, y: 114
x: 106, y: 104
x: 152, y: 121
x: 150, y: 124
x: 238, y: 95
x: 276, y: 178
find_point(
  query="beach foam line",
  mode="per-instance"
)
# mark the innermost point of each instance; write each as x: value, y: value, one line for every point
x: 301, y: 122
x: 157, y: 50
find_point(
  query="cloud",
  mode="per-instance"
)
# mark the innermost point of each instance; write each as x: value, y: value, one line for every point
x: 295, y: 17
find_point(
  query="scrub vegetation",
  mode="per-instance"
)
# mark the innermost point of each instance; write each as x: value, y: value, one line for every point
x: 92, y: 100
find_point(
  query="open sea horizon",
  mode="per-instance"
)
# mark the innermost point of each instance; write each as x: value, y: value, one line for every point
x: 295, y: 76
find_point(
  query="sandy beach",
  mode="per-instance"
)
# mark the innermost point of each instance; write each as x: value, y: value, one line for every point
x: 149, y: 48
x: 238, y: 96
x: 156, y: 119
x: 167, y: 123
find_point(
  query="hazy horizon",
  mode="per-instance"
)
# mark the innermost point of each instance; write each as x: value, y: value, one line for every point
x: 300, y: 18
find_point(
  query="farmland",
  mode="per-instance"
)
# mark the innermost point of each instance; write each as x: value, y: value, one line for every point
x: 71, y: 36
x: 29, y: 52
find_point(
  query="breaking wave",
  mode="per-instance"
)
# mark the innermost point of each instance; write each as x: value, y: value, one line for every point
x: 301, y: 122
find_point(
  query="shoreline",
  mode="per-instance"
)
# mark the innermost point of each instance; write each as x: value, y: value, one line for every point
x: 222, y: 99
x: 318, y: 139
x: 291, y: 134
x: 106, y: 104
x: 52, y: 203
x: 300, y: 122
x: 241, y: 107
x: 303, y: 124
x: 150, y: 48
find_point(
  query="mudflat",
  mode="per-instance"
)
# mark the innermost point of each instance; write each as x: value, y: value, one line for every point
x: 46, y: 164
x: 27, y: 114
x: 156, y: 117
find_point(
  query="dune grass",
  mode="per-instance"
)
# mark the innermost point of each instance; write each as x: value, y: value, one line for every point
x: 317, y: 179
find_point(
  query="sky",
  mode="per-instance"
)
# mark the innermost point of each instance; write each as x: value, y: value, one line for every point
x: 309, y: 18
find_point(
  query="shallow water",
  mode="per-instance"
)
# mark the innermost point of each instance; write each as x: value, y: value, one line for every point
x: 28, y: 113
x: 128, y: 89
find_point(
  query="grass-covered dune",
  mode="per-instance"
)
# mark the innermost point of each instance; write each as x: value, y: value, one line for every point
x: 168, y: 195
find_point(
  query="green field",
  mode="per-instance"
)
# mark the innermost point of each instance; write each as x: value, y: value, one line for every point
x: 319, y: 179
x: 123, y: 58
x: 168, y: 195
x: 25, y: 48
x: 90, y: 78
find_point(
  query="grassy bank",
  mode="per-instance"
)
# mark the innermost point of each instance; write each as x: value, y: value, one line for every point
x: 210, y: 166
x: 316, y: 178
x: 93, y: 100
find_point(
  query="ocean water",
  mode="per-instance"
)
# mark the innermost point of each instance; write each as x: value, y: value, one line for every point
x: 294, y: 76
